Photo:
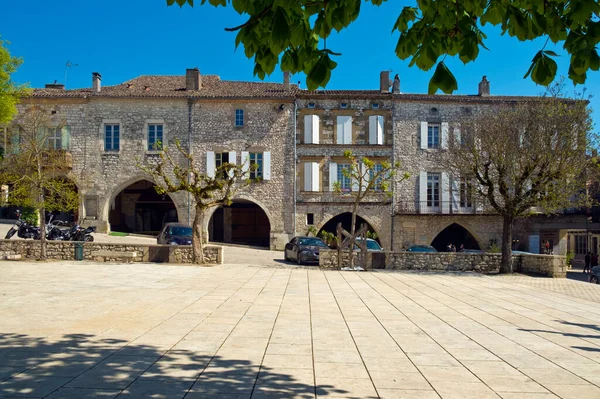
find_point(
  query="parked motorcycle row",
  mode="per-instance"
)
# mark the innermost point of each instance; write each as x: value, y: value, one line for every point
x: 56, y: 230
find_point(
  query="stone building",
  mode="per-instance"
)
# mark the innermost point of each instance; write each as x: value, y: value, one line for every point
x: 297, y: 138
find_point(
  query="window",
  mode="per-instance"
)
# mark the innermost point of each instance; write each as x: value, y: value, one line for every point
x: 580, y: 245
x: 311, y: 105
x: 256, y: 158
x: 239, y: 117
x: 466, y: 193
x: 310, y: 219
x: 433, y: 189
x: 220, y: 159
x: 111, y: 137
x: 433, y: 136
x: 54, y: 138
x: 372, y: 173
x: 344, y: 130
x: 155, y: 137
x: 345, y: 181
x: 375, y: 105
x: 344, y: 105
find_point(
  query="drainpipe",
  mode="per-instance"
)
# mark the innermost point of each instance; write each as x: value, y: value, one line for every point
x: 393, y: 185
x: 295, y: 161
x: 189, y: 140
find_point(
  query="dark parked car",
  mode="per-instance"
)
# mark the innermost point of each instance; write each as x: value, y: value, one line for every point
x: 472, y: 251
x: 304, y: 249
x: 372, y: 245
x: 175, y: 234
x: 595, y: 275
x: 421, y: 248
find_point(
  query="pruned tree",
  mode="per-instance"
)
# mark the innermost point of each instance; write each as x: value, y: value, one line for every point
x: 522, y: 157
x: 36, y: 166
x: 293, y: 34
x: 178, y: 170
x: 365, y: 177
x: 10, y: 92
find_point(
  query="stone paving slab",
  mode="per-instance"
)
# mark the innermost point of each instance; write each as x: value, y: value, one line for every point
x: 88, y: 330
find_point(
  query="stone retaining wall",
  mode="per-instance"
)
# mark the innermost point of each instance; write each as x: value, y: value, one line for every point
x: 545, y: 265
x: 145, y: 253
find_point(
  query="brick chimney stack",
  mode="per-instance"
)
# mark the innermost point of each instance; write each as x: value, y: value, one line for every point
x: 286, y: 81
x: 96, y: 82
x: 384, y: 81
x: 484, y: 87
x: 193, y: 80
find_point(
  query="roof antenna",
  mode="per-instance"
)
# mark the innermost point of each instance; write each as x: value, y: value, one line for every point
x: 68, y: 65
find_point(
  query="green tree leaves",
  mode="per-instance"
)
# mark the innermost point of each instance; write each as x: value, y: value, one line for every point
x: 291, y: 33
x: 10, y: 93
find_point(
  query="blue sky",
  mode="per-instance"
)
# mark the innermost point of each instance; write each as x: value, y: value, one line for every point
x: 124, y: 39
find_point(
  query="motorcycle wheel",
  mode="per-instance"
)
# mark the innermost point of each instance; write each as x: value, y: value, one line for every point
x: 89, y: 239
x: 10, y: 233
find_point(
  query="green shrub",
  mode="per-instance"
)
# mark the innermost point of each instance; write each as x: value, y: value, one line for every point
x: 494, y: 249
x: 311, y: 230
x: 570, y: 256
x: 30, y: 216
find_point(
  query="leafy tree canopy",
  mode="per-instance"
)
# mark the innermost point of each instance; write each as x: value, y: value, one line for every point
x: 289, y: 33
x: 10, y: 93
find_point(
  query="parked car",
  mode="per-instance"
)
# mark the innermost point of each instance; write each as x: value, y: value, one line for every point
x: 595, y: 275
x: 372, y: 245
x: 421, y: 248
x: 304, y: 249
x: 472, y: 251
x: 175, y: 234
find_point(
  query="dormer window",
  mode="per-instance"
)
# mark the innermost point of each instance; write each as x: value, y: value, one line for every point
x: 344, y: 105
x: 375, y: 105
x: 311, y: 105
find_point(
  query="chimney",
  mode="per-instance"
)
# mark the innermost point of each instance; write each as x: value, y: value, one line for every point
x: 396, y: 85
x: 193, y: 80
x: 384, y: 81
x: 58, y: 86
x: 96, y: 82
x: 286, y: 81
x: 484, y: 87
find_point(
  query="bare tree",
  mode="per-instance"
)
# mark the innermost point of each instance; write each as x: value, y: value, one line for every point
x: 178, y: 170
x: 36, y: 166
x: 523, y: 157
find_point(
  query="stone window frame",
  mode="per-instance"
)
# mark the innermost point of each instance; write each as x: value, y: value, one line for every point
x: 156, y: 121
x: 103, y: 135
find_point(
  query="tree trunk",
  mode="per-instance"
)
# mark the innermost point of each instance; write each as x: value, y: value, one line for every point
x: 43, y: 243
x: 352, y: 230
x: 506, y: 264
x: 197, y: 237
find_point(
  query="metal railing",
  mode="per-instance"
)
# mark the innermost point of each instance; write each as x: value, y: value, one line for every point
x: 439, y: 207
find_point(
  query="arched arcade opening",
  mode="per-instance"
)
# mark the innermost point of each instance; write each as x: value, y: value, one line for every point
x: 243, y: 222
x: 140, y: 209
x: 457, y: 235
x: 346, y: 220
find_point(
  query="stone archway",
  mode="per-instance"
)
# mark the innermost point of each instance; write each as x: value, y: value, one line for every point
x: 457, y: 235
x: 243, y: 222
x: 346, y: 220
x: 138, y: 208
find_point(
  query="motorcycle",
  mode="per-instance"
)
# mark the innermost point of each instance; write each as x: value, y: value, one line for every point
x: 55, y: 233
x: 78, y: 233
x: 23, y: 229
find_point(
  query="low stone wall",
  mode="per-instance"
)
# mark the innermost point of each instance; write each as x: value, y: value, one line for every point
x: 65, y: 250
x: 487, y: 263
x: 544, y: 265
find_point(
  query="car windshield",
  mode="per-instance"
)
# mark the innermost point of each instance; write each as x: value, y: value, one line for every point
x: 373, y: 245
x: 181, y: 231
x: 313, y: 242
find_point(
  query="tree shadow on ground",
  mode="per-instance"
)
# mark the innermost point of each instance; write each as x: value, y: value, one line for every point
x: 592, y: 327
x: 85, y: 366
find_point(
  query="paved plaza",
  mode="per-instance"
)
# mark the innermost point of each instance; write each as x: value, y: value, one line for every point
x: 87, y: 330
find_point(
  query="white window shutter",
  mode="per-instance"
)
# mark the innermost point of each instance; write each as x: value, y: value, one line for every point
x: 339, y: 139
x: 308, y: 129
x: 245, y: 161
x: 422, y: 191
x: 315, y: 129
x: 210, y: 163
x: 424, y: 137
x: 66, y: 138
x: 445, y: 193
x: 332, y: 175
x: 355, y: 182
x: 455, y: 195
x: 232, y: 157
x: 348, y: 130
x: 308, y: 176
x: 478, y: 198
x: 373, y: 129
x: 444, y: 134
x: 315, y: 186
x: 457, y: 136
x: 267, y: 165
x: 380, y: 130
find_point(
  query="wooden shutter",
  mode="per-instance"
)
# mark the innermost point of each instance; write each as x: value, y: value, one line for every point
x: 339, y: 139
x: 422, y: 191
x: 332, y: 175
x: 355, y: 183
x: 444, y: 133
x: 308, y: 176
x: 232, y: 160
x: 266, y: 165
x: 455, y: 195
x: 348, y: 130
x: 373, y: 129
x: 457, y: 137
x: 210, y: 163
x: 311, y: 129
x: 445, y: 188
x: 424, y: 136
x: 245, y: 161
